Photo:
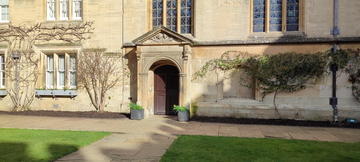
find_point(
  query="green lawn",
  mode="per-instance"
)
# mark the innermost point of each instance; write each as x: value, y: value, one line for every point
x: 43, y: 145
x: 226, y: 149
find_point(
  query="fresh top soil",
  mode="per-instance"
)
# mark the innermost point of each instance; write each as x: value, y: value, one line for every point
x: 87, y: 114
x: 284, y: 122
x: 230, y: 120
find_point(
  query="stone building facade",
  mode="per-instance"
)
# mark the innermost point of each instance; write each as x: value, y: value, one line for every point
x: 164, y: 42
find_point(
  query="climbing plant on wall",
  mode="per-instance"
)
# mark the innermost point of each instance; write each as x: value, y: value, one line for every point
x: 283, y: 72
x: 353, y: 69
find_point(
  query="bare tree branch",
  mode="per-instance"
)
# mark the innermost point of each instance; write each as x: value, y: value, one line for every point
x: 21, y: 40
x: 99, y: 72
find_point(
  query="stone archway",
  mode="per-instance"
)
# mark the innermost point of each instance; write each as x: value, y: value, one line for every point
x: 146, y: 68
x: 158, y: 47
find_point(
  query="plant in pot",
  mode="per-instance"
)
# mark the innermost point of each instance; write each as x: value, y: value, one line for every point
x: 136, y: 111
x: 183, y: 113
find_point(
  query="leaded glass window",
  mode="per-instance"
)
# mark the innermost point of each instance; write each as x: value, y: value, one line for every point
x: 64, y: 9
x: 185, y: 16
x: 51, y: 9
x: 178, y: 15
x: 171, y: 14
x: 275, y: 15
x: 292, y: 15
x: 157, y: 13
x: 77, y: 9
x: 4, y: 10
x: 72, y: 71
x: 259, y: 16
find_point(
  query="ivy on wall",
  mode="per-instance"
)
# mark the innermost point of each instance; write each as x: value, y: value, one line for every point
x: 283, y: 72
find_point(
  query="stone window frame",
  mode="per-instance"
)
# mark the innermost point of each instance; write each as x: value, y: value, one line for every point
x: 150, y: 16
x: 267, y: 17
x: 4, y: 5
x: 55, y: 70
x: 71, y: 10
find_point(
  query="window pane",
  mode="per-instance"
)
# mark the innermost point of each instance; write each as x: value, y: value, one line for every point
x: 61, y: 63
x: 157, y: 13
x: 292, y: 15
x: 64, y: 9
x: 275, y: 15
x: 72, y: 63
x: 72, y: 71
x: 73, y: 79
x: 2, y: 73
x: 77, y: 9
x: 4, y: 2
x: 171, y: 12
x: 2, y: 67
x: 50, y: 63
x: 51, y: 9
x: 50, y: 72
x: 50, y: 79
x: 185, y: 12
x: 5, y: 13
x: 259, y: 16
x: 3, y: 79
x: 61, y: 78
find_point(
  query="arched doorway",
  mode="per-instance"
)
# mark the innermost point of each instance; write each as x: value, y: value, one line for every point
x: 166, y: 89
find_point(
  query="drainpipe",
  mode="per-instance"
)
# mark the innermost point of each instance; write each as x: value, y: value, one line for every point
x: 123, y: 55
x: 334, y: 31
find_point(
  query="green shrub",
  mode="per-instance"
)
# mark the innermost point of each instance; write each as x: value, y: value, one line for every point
x: 178, y: 108
x: 134, y: 106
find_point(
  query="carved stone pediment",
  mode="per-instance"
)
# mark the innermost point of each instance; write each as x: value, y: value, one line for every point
x: 162, y: 38
x: 162, y: 35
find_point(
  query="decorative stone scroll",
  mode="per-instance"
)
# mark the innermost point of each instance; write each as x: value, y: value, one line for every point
x: 162, y: 38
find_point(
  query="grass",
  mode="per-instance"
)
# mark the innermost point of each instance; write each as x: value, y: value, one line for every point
x: 43, y: 145
x: 227, y: 149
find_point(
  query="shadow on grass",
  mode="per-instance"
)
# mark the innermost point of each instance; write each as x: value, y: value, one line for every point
x: 13, y: 152
x: 57, y: 151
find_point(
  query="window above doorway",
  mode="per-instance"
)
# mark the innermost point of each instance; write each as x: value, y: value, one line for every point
x: 176, y: 15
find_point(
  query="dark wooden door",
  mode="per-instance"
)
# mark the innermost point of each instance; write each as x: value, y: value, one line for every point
x: 166, y: 82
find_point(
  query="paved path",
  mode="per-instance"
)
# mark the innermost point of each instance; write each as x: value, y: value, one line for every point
x: 148, y: 139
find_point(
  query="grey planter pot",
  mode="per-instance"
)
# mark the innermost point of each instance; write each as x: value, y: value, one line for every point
x: 183, y: 116
x: 3, y: 93
x: 136, y: 114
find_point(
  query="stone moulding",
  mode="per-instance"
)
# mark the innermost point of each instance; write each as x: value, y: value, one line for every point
x: 3, y: 93
x: 56, y: 93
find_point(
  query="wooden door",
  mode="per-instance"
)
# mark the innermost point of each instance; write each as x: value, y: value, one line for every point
x: 166, y: 94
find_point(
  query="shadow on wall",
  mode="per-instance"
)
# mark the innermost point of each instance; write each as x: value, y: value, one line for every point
x: 132, y: 65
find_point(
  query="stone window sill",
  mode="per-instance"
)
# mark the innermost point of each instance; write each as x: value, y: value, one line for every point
x: 55, y: 93
x: 3, y: 93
